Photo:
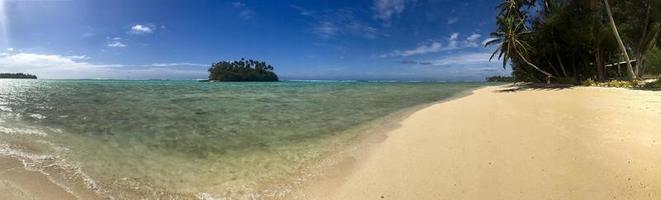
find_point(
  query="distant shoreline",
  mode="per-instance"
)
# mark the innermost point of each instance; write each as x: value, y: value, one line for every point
x: 17, y: 76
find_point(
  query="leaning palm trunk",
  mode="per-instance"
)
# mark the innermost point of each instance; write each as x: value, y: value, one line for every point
x: 630, y: 73
x: 548, y: 75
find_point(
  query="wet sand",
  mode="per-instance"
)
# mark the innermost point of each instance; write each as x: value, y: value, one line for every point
x: 18, y: 183
x: 579, y: 143
x: 499, y: 143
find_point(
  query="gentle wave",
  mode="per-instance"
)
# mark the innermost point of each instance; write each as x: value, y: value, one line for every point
x: 186, y: 139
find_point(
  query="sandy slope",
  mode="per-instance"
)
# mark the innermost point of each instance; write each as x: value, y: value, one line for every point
x: 579, y: 143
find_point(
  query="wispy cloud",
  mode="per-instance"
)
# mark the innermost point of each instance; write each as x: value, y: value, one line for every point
x: 465, y: 66
x: 416, y: 62
x: 341, y: 22
x: 238, y: 4
x: 245, y: 12
x: 385, y: 10
x: 467, y: 59
x: 453, y: 43
x: 463, y: 59
x: 454, y: 36
x: 116, y: 42
x: 140, y: 29
x: 75, y: 67
x: 453, y: 20
x: 302, y: 11
x: 326, y: 29
x: 474, y: 37
x: 472, y: 40
x: 423, y: 49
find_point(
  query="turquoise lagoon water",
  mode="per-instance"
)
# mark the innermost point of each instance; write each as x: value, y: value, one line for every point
x: 186, y: 139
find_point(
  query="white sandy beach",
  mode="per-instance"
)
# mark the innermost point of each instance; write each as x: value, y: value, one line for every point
x: 578, y: 143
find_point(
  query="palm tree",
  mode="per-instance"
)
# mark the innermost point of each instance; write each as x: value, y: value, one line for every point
x: 511, y: 45
x: 630, y: 72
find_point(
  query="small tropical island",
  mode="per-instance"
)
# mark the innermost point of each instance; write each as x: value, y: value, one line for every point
x: 17, y: 76
x: 242, y: 70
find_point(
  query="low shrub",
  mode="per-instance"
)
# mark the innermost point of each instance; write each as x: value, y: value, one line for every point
x: 614, y: 83
x: 653, y: 85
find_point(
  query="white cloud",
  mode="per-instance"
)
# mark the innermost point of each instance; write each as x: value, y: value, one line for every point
x: 459, y: 66
x: 474, y: 37
x: 83, y: 57
x: 473, y: 60
x: 386, y: 9
x: 454, y: 36
x: 472, y: 40
x: 139, y: 29
x: 116, y: 44
x: 71, y: 67
x: 453, y: 20
x: 453, y: 43
x: 423, y: 49
x: 463, y: 59
x: 30, y: 61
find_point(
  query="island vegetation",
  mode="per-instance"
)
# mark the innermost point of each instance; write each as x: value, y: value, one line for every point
x: 17, y: 76
x: 574, y: 41
x: 242, y: 70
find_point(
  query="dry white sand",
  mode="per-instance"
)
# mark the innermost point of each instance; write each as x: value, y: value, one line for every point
x: 578, y: 143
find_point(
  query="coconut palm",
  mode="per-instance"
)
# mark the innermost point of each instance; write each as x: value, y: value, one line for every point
x: 511, y: 45
x: 630, y: 73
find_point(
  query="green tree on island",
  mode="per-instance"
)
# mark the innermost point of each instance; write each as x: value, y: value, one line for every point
x: 242, y: 70
x: 17, y: 76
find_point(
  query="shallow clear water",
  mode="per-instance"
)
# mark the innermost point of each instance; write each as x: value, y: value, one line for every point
x: 131, y: 139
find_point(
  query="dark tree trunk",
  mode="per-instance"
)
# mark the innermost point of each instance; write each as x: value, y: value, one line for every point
x: 599, y: 63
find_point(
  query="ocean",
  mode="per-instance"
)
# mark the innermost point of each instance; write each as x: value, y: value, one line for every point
x: 189, y: 139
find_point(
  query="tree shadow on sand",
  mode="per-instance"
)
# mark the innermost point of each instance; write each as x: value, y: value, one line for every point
x: 516, y: 87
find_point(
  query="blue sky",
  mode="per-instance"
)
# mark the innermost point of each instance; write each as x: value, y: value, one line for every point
x: 331, y: 39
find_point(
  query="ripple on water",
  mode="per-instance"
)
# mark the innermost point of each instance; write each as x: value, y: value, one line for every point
x: 185, y: 139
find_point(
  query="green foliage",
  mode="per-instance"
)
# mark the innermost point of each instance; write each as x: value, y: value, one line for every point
x: 613, y: 83
x: 242, y: 70
x: 507, y: 79
x: 573, y: 40
x: 653, y: 61
x: 17, y: 76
